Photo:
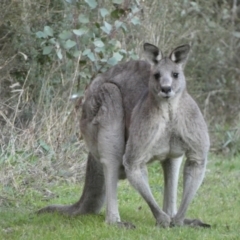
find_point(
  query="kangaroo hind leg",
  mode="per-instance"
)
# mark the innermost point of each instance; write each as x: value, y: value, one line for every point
x: 194, y: 170
x: 111, y: 145
x: 171, y: 169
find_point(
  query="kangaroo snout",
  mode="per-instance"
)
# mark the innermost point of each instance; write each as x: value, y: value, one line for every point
x: 166, y: 89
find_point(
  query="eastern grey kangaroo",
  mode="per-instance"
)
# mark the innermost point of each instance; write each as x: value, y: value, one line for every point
x: 133, y: 114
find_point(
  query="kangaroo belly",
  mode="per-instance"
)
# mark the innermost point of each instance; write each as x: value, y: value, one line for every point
x: 168, y: 146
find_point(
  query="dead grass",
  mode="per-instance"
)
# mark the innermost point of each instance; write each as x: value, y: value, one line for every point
x: 40, y: 142
x: 48, y: 151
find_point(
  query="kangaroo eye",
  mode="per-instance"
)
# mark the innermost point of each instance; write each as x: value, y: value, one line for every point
x: 156, y: 76
x: 175, y: 75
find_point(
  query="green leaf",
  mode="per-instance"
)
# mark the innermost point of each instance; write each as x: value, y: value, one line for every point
x: 91, y: 56
x: 98, y: 43
x: 195, y: 6
x: 134, y: 9
x: 104, y: 12
x: 123, y: 51
x: 112, y: 61
x: 211, y: 24
x: 64, y: 35
x: 86, y: 52
x: 91, y: 3
x: 41, y: 34
x: 104, y: 60
x: 124, y: 27
x: 69, y: 44
x: 59, y: 53
x: 80, y: 32
x: 117, y: 1
x: 98, y: 50
x: 133, y: 55
x: 107, y: 28
x: 82, y: 74
x: 83, y: 19
x: 52, y: 40
x: 115, y: 59
x: 76, y: 53
x: 48, y: 31
x: 135, y: 20
x: 117, y: 44
x: 118, y: 24
x: 118, y: 56
x: 236, y: 34
x: 97, y: 66
x: 47, y: 50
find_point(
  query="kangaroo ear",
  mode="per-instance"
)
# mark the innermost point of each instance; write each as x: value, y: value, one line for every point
x: 180, y: 54
x: 152, y: 53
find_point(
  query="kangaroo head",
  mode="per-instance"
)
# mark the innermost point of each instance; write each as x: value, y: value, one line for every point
x: 167, y: 77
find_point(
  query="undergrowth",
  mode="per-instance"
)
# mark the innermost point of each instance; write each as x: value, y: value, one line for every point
x: 217, y: 203
x: 44, y: 69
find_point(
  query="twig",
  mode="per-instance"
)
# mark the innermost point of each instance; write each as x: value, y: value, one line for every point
x: 75, y: 76
x: 8, y: 61
x: 19, y: 97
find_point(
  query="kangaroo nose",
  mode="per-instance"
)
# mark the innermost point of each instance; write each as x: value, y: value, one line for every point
x: 166, y: 89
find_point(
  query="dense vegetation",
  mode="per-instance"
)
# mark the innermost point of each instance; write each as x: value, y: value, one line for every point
x: 51, y: 49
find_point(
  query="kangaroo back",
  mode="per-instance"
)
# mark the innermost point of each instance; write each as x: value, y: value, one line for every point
x: 132, y: 79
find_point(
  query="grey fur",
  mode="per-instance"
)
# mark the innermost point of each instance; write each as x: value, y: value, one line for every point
x: 133, y: 114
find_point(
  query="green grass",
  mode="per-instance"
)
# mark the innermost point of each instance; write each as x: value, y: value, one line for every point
x: 217, y: 202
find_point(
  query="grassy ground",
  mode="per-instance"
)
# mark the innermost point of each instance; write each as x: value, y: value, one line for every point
x: 217, y: 202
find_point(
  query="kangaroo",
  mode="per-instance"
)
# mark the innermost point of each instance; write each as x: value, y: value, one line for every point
x: 135, y: 113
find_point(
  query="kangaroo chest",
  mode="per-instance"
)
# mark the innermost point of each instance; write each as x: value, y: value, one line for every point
x: 167, y: 141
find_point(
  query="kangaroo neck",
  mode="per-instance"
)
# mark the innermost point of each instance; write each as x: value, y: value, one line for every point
x: 167, y: 107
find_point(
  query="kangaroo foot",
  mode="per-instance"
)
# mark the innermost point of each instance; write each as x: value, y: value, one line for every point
x: 163, y: 221
x: 196, y: 223
x: 189, y: 222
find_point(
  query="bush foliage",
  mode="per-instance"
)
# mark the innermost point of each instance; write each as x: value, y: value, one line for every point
x: 50, y: 50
